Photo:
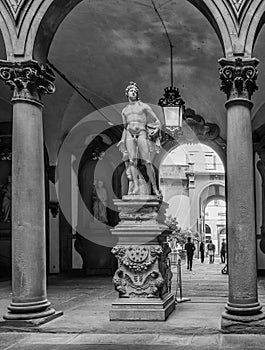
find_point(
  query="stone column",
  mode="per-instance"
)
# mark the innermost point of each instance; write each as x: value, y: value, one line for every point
x: 243, y: 310
x: 29, y: 300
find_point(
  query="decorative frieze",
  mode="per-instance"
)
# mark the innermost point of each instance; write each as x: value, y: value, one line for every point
x: 28, y: 80
x: 238, y: 77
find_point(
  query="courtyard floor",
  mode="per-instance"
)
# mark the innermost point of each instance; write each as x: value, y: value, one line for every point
x: 86, y: 302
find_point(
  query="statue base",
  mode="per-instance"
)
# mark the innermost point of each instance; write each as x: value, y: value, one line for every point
x: 142, y: 309
x: 143, y: 277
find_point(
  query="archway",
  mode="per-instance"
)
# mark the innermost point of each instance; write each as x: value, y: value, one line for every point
x: 215, y: 217
x: 64, y: 96
x: 192, y: 178
x: 99, y: 88
x: 54, y: 12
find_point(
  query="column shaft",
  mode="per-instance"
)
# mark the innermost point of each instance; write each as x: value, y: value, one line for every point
x: 28, y: 81
x: 28, y: 214
x: 28, y: 204
x: 241, y: 214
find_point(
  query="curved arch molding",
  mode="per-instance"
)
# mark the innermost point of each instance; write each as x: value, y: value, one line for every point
x: 29, y: 26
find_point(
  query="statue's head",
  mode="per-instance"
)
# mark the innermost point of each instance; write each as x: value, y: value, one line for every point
x: 132, y: 91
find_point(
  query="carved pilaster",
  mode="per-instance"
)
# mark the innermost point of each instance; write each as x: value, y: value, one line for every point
x: 28, y: 80
x: 238, y: 77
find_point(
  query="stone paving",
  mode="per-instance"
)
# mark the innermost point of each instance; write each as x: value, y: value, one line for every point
x: 86, y: 302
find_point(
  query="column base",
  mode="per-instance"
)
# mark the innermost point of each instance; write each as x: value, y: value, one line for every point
x: 243, y: 324
x: 13, y: 321
x: 243, y: 319
x: 142, y: 309
x: 31, y: 311
x: 243, y: 309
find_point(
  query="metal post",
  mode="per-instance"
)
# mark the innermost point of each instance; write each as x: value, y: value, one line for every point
x: 179, y: 285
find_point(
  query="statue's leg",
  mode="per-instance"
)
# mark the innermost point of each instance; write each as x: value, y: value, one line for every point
x: 132, y: 155
x: 134, y: 172
x: 145, y: 158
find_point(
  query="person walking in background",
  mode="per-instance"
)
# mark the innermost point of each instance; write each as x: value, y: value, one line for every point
x: 189, y: 247
x: 202, y: 251
x: 211, y: 251
x: 223, y: 251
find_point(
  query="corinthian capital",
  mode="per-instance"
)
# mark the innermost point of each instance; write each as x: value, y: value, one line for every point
x: 28, y: 79
x: 238, y: 77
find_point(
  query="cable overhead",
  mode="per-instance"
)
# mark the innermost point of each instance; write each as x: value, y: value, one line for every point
x: 64, y: 77
x: 169, y: 41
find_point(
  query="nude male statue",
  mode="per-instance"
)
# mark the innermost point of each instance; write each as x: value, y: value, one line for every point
x: 140, y: 137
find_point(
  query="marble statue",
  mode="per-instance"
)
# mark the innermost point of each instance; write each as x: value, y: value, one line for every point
x: 141, y: 137
x: 143, y: 275
x: 100, y: 202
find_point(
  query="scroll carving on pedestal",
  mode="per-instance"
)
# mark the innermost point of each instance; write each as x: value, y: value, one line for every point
x: 138, y: 275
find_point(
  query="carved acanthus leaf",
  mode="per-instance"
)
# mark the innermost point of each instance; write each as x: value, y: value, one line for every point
x: 238, y: 77
x: 27, y: 79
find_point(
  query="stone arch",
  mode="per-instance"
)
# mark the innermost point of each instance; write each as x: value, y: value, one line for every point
x: 33, y: 24
x: 8, y: 30
x: 211, y: 198
x: 221, y: 20
x: 203, y: 203
x: 28, y: 27
x: 254, y: 24
x: 57, y: 10
x: 212, y: 183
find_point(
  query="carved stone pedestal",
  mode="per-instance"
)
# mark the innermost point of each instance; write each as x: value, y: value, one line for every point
x: 143, y: 278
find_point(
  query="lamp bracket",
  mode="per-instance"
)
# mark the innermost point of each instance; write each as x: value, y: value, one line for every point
x: 171, y: 98
x: 174, y: 131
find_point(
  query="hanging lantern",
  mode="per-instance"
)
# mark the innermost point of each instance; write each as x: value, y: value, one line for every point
x: 173, y: 109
